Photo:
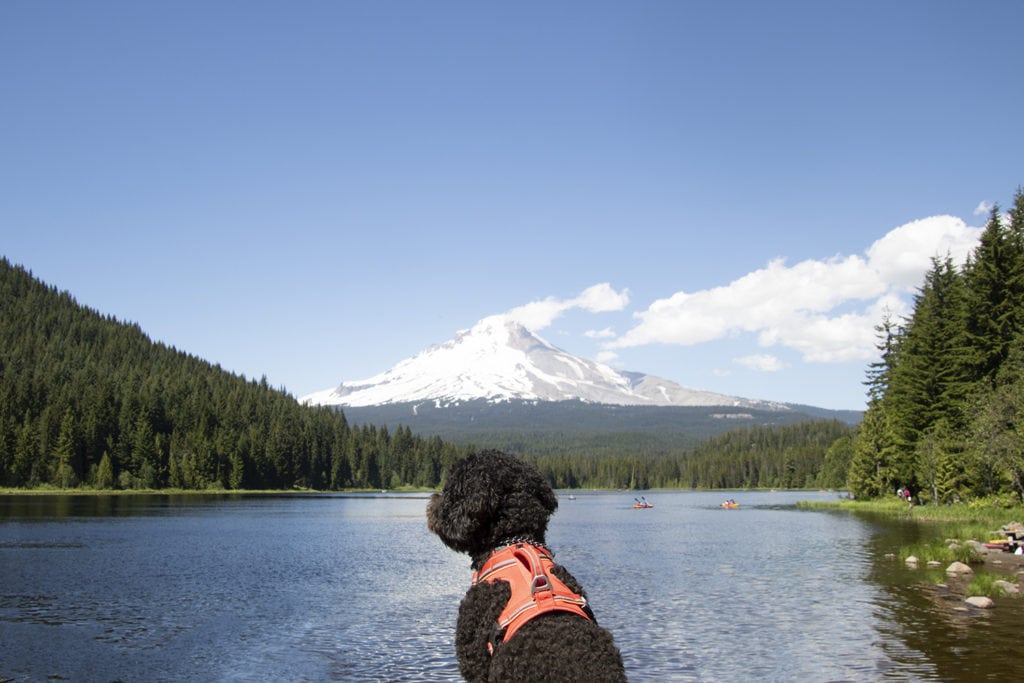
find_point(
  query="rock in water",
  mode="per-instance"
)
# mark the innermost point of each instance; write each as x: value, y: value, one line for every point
x: 980, y: 601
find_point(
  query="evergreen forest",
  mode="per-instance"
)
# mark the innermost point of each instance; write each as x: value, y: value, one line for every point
x: 945, y: 413
x: 87, y: 401
x: 812, y: 454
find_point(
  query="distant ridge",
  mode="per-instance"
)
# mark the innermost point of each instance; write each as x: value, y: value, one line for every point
x: 581, y: 429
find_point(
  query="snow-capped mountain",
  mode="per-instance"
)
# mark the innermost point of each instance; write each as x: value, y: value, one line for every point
x: 500, y: 360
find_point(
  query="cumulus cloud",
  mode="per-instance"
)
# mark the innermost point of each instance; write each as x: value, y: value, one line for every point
x: 762, y: 362
x: 824, y: 309
x: 983, y: 208
x: 600, y: 298
x: 902, y: 257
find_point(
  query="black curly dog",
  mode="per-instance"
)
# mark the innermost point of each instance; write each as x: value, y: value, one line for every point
x: 491, y: 502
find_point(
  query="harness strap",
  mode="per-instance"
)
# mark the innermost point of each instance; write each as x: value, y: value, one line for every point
x: 535, y: 590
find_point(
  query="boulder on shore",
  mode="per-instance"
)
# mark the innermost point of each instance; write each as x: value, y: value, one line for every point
x: 978, y: 547
x: 959, y: 568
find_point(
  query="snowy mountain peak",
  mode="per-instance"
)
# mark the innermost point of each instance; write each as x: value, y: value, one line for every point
x: 498, y: 360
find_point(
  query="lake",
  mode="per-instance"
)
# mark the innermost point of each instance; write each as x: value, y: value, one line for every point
x: 354, y: 588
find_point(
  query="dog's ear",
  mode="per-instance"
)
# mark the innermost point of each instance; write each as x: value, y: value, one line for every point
x: 461, y: 514
x: 544, y: 494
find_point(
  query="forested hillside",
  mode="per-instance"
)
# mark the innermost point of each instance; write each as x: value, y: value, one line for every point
x: 946, y: 401
x: 578, y: 429
x: 88, y: 400
x: 812, y: 454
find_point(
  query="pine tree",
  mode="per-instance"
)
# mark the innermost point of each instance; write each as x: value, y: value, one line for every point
x: 236, y: 479
x: 65, y: 475
x: 874, y: 442
x: 879, y: 372
x: 991, y: 305
x: 26, y: 455
x: 926, y: 384
x: 105, y: 473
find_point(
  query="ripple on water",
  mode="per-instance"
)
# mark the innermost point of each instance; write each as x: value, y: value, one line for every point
x: 356, y: 589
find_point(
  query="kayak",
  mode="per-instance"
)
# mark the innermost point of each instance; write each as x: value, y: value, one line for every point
x: 730, y: 506
x: 642, y: 506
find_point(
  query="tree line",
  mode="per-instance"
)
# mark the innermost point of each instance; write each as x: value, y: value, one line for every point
x: 813, y: 454
x: 90, y: 401
x: 86, y: 400
x: 945, y: 410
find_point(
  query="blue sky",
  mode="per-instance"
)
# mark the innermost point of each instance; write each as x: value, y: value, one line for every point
x: 724, y: 194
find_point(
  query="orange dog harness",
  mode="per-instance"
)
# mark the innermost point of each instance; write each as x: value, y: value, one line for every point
x: 535, y: 590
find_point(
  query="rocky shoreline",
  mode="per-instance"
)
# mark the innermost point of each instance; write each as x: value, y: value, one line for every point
x: 995, y: 560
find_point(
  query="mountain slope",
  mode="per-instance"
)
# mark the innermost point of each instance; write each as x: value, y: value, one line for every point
x: 582, y: 430
x: 499, y: 360
x: 86, y: 400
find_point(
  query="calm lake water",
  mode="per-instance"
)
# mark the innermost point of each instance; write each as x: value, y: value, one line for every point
x: 354, y: 588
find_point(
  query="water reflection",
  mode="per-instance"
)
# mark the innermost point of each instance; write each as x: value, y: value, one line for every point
x: 354, y: 588
x: 922, y: 614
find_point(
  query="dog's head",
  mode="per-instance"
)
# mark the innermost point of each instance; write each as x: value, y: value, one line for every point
x: 488, y: 498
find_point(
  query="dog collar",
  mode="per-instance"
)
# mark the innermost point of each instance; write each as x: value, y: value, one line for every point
x: 524, y: 540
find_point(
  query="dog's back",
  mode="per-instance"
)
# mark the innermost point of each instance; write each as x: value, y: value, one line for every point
x: 558, y: 647
x: 489, y: 499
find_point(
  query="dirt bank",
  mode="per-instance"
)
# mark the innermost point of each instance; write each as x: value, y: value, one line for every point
x: 1007, y: 563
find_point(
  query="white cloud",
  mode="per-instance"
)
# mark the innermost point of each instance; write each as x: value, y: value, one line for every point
x: 983, y: 208
x: 600, y: 298
x: 759, y: 301
x: 606, y: 333
x: 607, y: 356
x: 825, y: 309
x: 761, y: 362
x: 902, y: 257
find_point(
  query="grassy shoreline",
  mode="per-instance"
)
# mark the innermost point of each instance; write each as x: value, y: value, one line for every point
x: 193, y: 492
x: 963, y: 522
x: 954, y: 526
x: 971, y: 514
x: 929, y: 512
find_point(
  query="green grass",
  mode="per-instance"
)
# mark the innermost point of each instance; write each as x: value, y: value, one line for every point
x: 978, y: 514
x: 965, y: 522
x: 48, y: 490
x: 984, y: 583
x: 938, y: 550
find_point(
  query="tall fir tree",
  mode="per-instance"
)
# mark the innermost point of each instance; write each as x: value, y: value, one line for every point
x: 927, y: 384
x: 66, y: 475
x: 991, y: 311
x: 874, y: 443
